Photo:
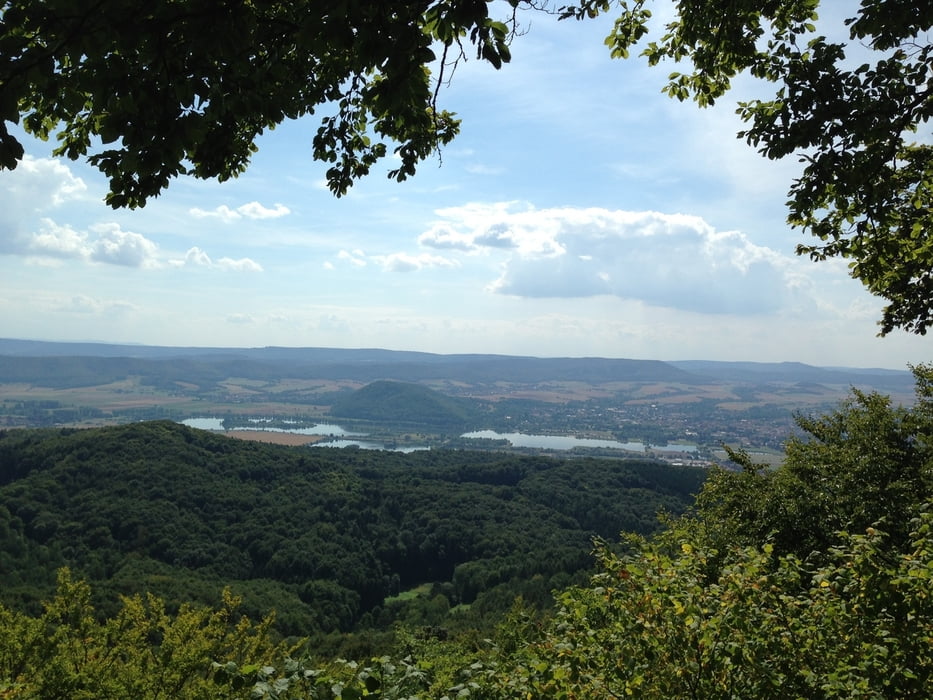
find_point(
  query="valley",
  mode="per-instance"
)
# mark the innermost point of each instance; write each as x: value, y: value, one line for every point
x: 409, y: 399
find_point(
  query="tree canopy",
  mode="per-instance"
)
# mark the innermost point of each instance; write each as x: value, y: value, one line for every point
x: 155, y: 90
x: 325, y: 536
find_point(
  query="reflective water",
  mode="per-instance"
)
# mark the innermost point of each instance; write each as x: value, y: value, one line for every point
x: 568, y: 442
x: 257, y: 424
x: 326, y: 429
x: 547, y: 442
x: 364, y: 445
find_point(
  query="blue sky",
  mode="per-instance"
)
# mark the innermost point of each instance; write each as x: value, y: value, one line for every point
x: 579, y: 213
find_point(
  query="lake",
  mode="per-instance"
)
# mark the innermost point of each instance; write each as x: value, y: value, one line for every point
x: 364, y: 445
x: 567, y: 442
x: 326, y: 429
x: 257, y: 424
x: 543, y: 442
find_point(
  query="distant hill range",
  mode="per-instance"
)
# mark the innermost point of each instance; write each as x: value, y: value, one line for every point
x: 88, y: 364
x: 796, y: 373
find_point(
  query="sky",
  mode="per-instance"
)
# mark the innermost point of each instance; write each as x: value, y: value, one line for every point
x: 580, y: 212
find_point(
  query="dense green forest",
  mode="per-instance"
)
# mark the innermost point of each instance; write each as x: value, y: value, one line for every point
x: 324, y: 537
x: 811, y: 580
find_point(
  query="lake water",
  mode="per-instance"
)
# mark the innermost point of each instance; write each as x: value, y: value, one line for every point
x: 566, y: 442
x: 326, y: 429
x: 364, y: 445
x: 544, y: 442
x: 257, y: 424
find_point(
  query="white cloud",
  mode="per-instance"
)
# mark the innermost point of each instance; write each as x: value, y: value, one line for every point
x: 668, y: 260
x: 240, y: 319
x: 37, y: 184
x: 444, y: 237
x: 403, y: 262
x: 119, y: 247
x: 53, y: 240
x: 199, y: 258
x: 109, y: 244
x: 355, y: 257
x: 396, y: 262
x: 250, y: 210
x: 240, y: 265
x: 223, y: 212
x: 254, y: 210
x: 196, y: 256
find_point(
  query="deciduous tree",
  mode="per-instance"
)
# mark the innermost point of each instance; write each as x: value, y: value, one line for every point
x: 157, y: 89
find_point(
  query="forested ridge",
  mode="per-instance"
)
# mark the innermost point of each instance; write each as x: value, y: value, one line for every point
x: 403, y: 402
x: 323, y: 536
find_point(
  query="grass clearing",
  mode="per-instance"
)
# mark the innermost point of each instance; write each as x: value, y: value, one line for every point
x: 412, y: 593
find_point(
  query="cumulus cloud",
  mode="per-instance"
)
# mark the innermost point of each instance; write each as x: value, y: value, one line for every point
x: 254, y: 210
x: 39, y: 183
x: 250, y: 210
x: 223, y: 212
x: 238, y: 265
x: 119, y: 247
x: 444, y: 237
x: 668, y: 260
x: 34, y: 187
x: 496, y: 236
x: 196, y: 257
x: 53, y: 240
x: 103, y: 243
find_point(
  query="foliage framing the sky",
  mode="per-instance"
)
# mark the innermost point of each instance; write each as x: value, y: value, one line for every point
x: 866, y: 190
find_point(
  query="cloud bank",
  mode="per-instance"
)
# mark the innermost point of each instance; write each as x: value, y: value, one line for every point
x: 669, y: 260
x: 102, y: 243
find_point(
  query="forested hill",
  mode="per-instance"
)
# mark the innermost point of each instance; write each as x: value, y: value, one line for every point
x: 321, y: 535
x: 402, y: 402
